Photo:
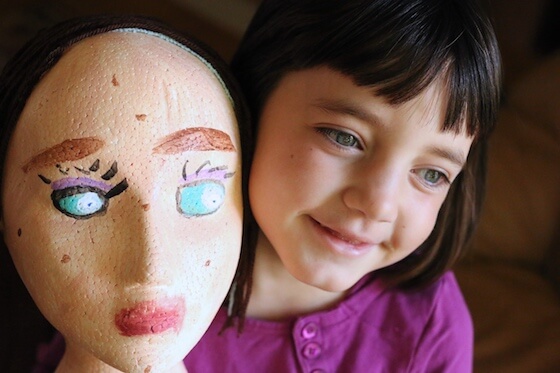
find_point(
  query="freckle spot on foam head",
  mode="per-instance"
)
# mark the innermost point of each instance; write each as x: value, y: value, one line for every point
x: 148, y: 369
x: 65, y: 259
x: 207, y: 263
x: 146, y: 206
x: 19, y: 232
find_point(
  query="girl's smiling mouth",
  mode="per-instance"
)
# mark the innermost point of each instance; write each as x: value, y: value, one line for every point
x: 341, y: 242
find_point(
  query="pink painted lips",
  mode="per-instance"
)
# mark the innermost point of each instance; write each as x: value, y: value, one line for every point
x: 151, y: 317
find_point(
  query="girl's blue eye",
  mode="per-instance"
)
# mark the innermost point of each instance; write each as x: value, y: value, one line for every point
x: 432, y: 177
x: 341, y: 138
x: 345, y: 139
x: 200, y: 198
x: 80, y: 202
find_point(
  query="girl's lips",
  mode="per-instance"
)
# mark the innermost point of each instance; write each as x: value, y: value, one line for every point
x: 345, y: 238
x: 341, y: 241
x: 151, y: 317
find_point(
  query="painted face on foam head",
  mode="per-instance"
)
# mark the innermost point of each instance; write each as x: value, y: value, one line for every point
x: 122, y: 199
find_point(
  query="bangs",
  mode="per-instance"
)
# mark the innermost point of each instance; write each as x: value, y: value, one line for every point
x: 401, y: 64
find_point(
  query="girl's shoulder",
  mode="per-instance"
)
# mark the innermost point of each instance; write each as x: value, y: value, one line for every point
x: 438, y: 307
x: 432, y: 325
x: 441, y: 292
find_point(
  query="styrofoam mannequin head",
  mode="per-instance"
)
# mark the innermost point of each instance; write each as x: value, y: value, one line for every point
x: 121, y: 198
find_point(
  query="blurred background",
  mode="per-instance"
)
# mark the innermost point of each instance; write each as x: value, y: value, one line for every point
x: 524, y: 32
x: 527, y: 31
x: 217, y: 22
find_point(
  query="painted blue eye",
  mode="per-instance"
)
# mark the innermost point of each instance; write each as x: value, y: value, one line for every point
x: 80, y: 202
x: 200, y: 198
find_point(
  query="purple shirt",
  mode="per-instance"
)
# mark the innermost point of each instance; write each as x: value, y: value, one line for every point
x: 373, y: 330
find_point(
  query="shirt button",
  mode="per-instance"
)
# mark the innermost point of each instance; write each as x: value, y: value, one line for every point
x: 311, y: 350
x: 309, y: 331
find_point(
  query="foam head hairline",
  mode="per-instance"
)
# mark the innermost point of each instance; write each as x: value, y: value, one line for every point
x: 185, y: 48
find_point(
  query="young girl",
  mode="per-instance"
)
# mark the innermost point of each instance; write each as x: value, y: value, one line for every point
x: 366, y: 184
x: 367, y: 179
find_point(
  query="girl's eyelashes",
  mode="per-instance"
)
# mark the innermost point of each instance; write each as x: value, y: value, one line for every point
x: 432, y: 178
x: 429, y: 178
x: 202, y: 192
x: 340, y: 138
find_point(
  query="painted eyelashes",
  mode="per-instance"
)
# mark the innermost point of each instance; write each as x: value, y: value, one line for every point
x: 83, y: 197
x: 202, y: 192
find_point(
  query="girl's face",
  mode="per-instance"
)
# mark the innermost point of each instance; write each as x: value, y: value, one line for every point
x: 342, y: 183
x: 122, y: 199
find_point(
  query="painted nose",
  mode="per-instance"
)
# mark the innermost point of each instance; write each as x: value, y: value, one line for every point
x: 145, y: 260
x: 375, y: 194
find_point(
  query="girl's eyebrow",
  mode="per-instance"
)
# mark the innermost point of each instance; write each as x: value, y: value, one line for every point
x: 194, y: 139
x: 452, y: 155
x: 68, y: 150
x: 343, y: 107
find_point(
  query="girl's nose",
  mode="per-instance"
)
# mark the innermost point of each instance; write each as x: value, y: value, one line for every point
x: 375, y: 193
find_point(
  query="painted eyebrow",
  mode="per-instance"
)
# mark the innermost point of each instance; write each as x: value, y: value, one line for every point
x: 194, y: 139
x: 66, y: 151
